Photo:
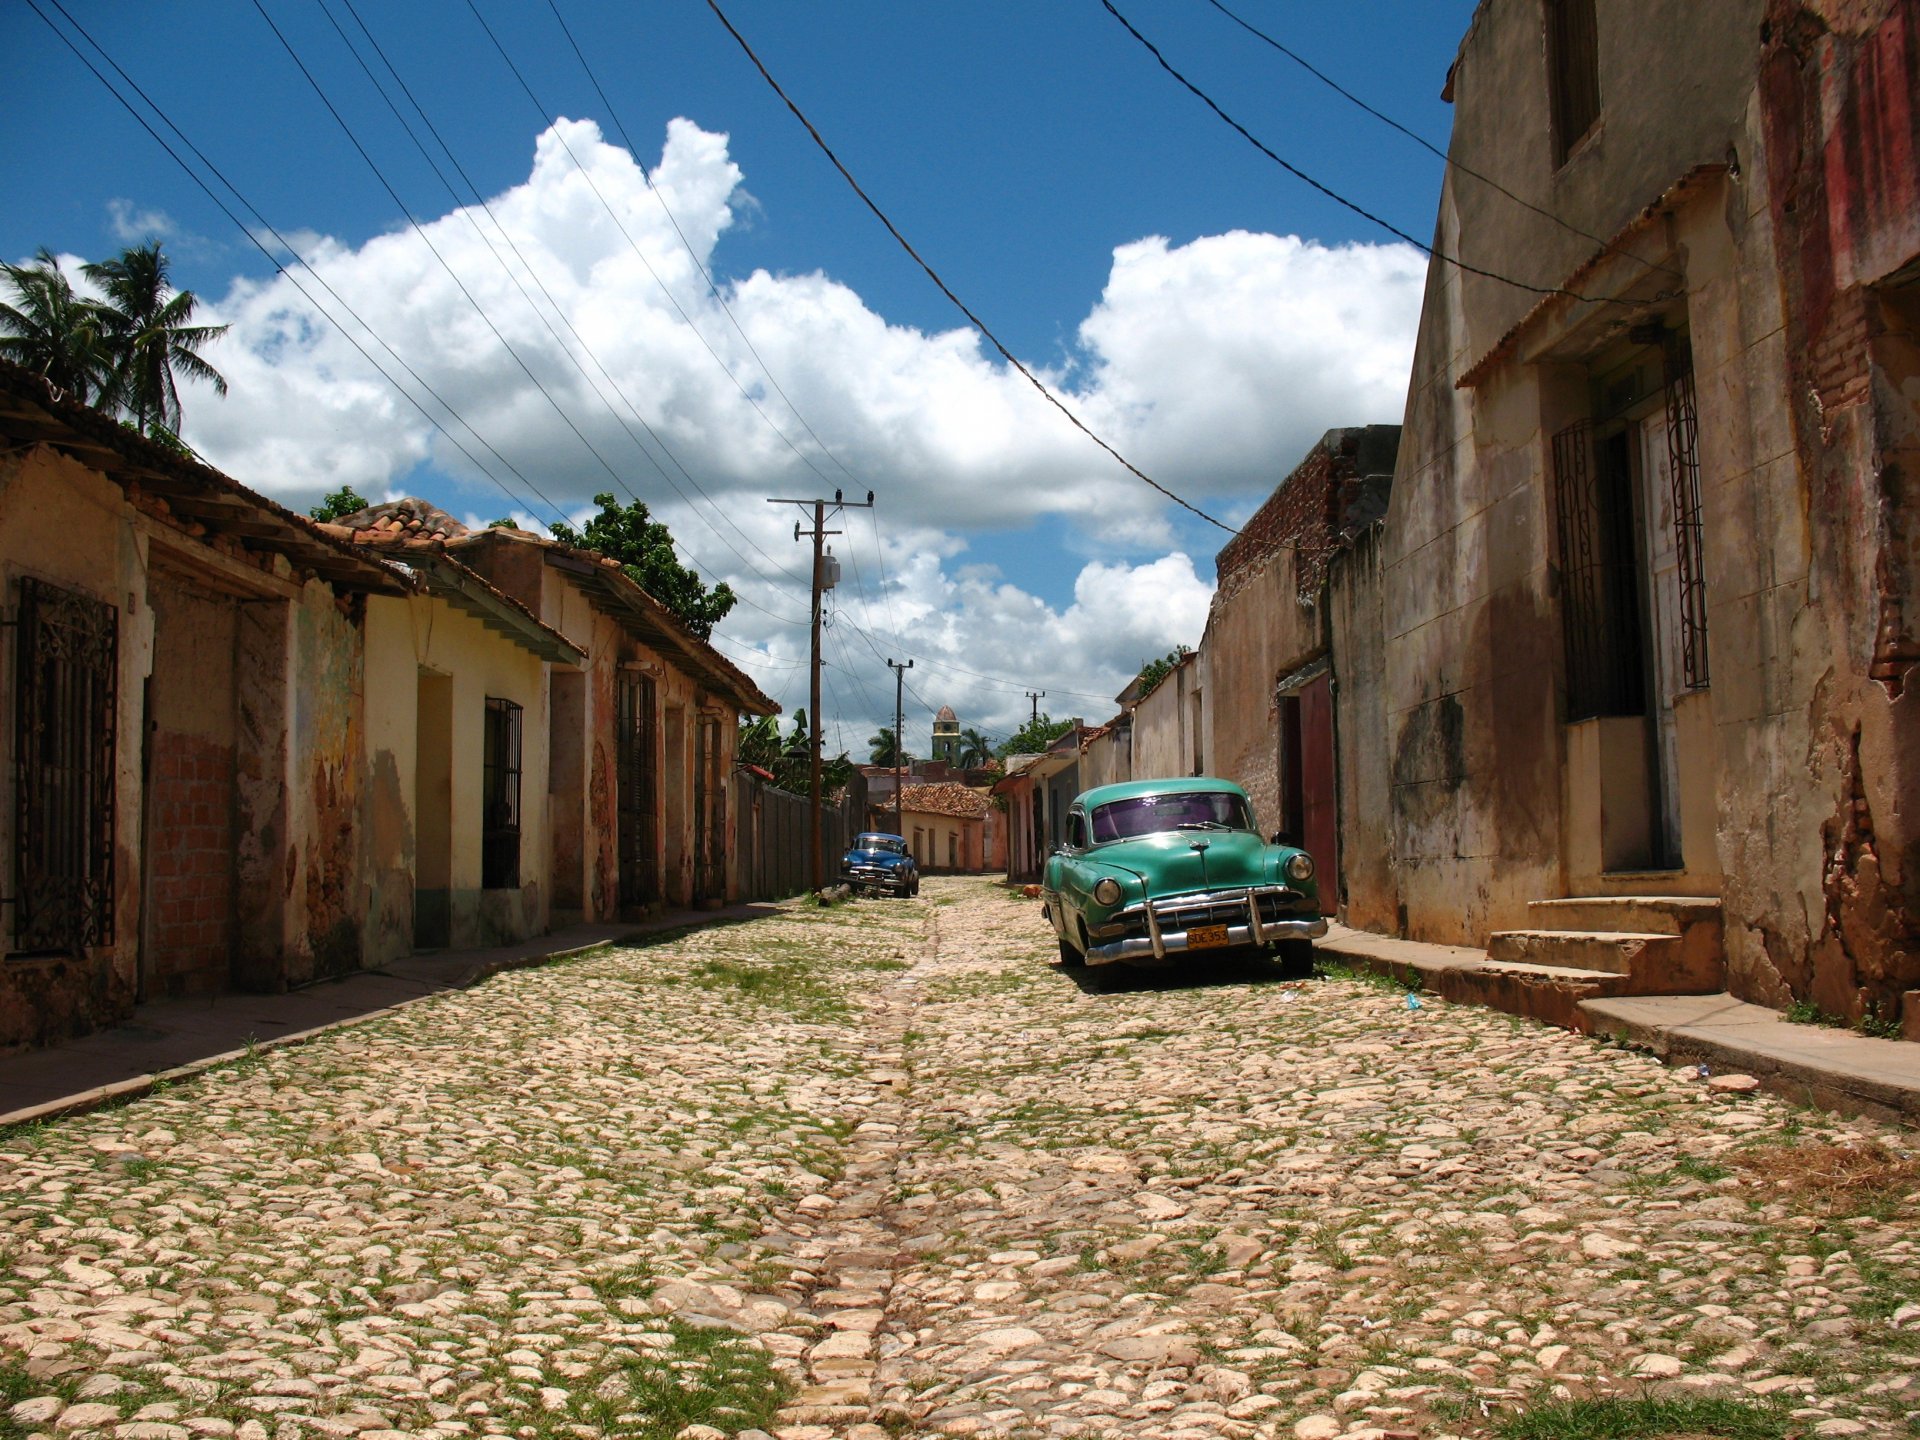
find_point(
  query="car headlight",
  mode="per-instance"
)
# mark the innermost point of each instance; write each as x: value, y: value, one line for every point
x: 1107, y: 891
x: 1300, y: 866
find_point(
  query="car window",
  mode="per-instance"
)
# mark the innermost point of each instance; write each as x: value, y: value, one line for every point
x: 880, y: 842
x: 1152, y: 814
x: 1077, y: 830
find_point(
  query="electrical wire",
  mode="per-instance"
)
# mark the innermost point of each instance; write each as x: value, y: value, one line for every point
x: 946, y: 289
x: 461, y: 285
x: 620, y: 224
x: 291, y: 250
x: 713, y: 288
x: 533, y: 273
x: 1440, y: 255
x: 1418, y: 138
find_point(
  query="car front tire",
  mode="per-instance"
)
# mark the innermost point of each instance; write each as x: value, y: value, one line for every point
x: 1296, y: 958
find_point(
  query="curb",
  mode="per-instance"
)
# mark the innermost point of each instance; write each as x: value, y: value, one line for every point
x: 102, y: 1097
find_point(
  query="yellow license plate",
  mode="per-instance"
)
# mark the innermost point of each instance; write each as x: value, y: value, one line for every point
x: 1206, y: 937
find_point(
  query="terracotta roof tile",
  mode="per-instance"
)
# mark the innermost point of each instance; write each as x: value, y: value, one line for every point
x: 947, y: 798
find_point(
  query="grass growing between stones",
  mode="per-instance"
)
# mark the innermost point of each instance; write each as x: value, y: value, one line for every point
x: 1848, y: 1178
x: 1646, y: 1417
x: 707, y: 1377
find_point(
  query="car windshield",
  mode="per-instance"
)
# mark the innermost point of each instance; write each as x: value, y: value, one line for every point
x: 892, y: 844
x: 1152, y: 814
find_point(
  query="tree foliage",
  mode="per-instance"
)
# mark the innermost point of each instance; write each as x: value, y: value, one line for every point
x: 885, y: 748
x: 644, y: 547
x: 1152, y: 672
x: 123, y: 352
x: 786, y: 756
x: 343, y: 501
x: 55, y: 331
x: 151, y: 336
x: 1035, y: 736
x: 975, y: 750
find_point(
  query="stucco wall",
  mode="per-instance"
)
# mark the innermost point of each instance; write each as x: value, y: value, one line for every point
x: 403, y: 638
x: 1163, y: 734
x: 70, y: 526
x: 1369, y: 899
x: 1255, y: 634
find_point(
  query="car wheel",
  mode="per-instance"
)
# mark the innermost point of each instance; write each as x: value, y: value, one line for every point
x: 1070, y: 958
x: 1296, y: 959
x: 916, y: 886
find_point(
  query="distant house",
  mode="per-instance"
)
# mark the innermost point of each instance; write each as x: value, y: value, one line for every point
x: 944, y: 825
x: 629, y: 724
x: 180, y: 761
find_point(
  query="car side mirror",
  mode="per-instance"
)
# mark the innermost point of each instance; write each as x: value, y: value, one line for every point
x: 1282, y: 837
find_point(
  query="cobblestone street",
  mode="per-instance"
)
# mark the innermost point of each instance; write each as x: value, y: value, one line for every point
x: 880, y: 1169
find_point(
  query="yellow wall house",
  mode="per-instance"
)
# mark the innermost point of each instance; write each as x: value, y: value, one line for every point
x: 637, y: 731
x: 458, y: 752
x: 180, y: 697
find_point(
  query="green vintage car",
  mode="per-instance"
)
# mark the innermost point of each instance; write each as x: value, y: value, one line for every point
x: 1157, y: 869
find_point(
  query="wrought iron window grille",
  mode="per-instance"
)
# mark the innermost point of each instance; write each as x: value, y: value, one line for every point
x: 66, y: 719
x: 500, y: 797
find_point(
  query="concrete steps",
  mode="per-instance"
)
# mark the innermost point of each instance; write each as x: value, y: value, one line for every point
x: 1597, y: 947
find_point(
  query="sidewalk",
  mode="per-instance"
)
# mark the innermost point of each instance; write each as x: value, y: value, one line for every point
x: 1833, y: 1069
x: 170, y: 1039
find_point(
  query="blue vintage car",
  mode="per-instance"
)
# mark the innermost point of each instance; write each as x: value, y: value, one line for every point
x: 880, y: 863
x: 1154, y: 870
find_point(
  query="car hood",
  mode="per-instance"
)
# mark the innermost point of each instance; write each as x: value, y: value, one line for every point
x: 1171, y: 863
x: 873, y: 857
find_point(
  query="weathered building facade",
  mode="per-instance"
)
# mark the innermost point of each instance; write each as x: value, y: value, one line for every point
x: 181, y: 697
x: 1269, y: 655
x: 1648, y: 576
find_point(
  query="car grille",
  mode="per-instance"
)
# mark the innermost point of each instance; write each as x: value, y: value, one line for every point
x: 1177, y: 913
x: 870, y: 872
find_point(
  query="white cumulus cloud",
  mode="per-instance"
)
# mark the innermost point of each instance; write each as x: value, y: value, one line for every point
x: 564, y: 339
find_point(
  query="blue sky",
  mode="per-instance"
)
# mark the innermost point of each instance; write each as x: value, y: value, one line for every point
x: 1019, y: 146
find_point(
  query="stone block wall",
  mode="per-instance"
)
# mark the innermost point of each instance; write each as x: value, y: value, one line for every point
x: 190, y: 834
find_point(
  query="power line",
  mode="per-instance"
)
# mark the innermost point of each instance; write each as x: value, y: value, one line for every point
x: 620, y: 225
x: 461, y: 285
x: 1325, y: 190
x: 289, y: 248
x: 1414, y: 135
x: 947, y: 290
x: 534, y: 274
x: 713, y: 287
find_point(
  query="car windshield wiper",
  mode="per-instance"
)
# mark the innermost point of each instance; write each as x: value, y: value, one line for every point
x: 1200, y: 825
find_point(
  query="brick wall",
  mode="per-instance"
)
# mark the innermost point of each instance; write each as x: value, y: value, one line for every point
x: 190, y: 900
x: 1313, y: 509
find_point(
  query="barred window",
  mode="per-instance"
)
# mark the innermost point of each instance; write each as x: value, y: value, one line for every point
x: 500, y: 797
x: 65, y: 718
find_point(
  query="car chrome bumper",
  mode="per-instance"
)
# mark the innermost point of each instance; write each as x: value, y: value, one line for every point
x: 1250, y: 929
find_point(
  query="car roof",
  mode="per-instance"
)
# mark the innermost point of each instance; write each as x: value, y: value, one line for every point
x: 880, y: 835
x: 1135, y: 789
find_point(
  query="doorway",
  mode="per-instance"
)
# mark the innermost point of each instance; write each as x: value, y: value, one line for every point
x: 637, y: 798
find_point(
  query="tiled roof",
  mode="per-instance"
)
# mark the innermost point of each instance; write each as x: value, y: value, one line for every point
x: 408, y: 518
x: 188, y: 493
x: 947, y: 798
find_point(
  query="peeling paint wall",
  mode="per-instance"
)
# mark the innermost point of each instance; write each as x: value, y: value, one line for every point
x: 70, y: 526
x: 406, y: 639
x: 1829, y: 906
x: 1369, y: 899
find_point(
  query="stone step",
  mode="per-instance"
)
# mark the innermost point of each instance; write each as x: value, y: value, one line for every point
x: 1548, y: 993
x: 1610, y: 952
x: 1644, y: 914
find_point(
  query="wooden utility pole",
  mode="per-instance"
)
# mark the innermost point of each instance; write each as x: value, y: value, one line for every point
x: 899, y: 745
x: 1036, y: 696
x: 821, y: 583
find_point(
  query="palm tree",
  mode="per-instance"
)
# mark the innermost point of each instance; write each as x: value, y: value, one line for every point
x: 150, y: 332
x: 885, y: 748
x: 975, y: 749
x: 56, y: 332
